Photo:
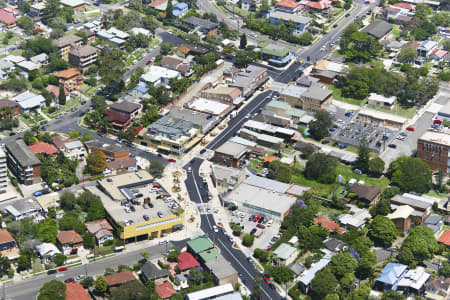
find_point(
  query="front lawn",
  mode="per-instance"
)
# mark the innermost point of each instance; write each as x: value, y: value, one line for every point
x: 71, y: 103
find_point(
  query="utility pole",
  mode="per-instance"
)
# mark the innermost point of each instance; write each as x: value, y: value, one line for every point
x: 85, y: 270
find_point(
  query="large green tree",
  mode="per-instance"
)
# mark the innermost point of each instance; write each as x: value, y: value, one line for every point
x: 52, y: 290
x: 420, y: 245
x: 362, y: 162
x: 100, y: 284
x: 410, y: 174
x: 96, y: 162
x: 318, y: 128
x: 382, y: 231
x: 111, y: 66
x: 343, y: 263
x: 321, y: 167
x: 324, y: 283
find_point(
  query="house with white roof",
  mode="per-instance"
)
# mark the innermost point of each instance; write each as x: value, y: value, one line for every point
x: 381, y: 101
x: 305, y: 280
x: 414, y: 281
x: 47, y: 251
x: 159, y: 76
x: 28, y: 66
x: 140, y: 30
x: 29, y: 101
x: 40, y: 59
x: 286, y: 254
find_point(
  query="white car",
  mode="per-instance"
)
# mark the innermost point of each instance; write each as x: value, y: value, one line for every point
x: 215, y: 228
x: 270, y: 223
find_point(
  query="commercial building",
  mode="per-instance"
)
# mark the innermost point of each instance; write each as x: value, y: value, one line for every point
x: 314, y: 98
x: 22, y: 162
x: 111, y: 151
x: 280, y: 132
x: 401, y: 218
x: 3, y: 172
x: 199, y: 244
x: 276, y: 55
x: 379, y: 118
x: 231, y: 154
x: 225, y: 94
x: 422, y: 205
x: 211, y: 293
x: 139, y: 224
x: 433, y: 148
x: 261, y: 138
x: 76, y: 5
x: 83, y: 57
x: 249, y: 79
x: 225, y: 178
x: 170, y: 135
x: 67, y: 43
x: 264, y: 197
x: 223, y: 271
x: 210, y: 107
x: 301, y: 23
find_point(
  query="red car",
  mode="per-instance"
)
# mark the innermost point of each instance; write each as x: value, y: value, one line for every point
x: 373, y: 67
x: 267, y: 280
x: 172, y: 160
x: 62, y: 269
x: 268, y: 249
x: 255, y: 219
x: 437, y: 121
x: 148, y: 62
x: 410, y: 129
x: 156, y: 186
x: 312, y: 144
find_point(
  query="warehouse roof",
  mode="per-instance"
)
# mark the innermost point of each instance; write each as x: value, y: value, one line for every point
x: 221, y: 268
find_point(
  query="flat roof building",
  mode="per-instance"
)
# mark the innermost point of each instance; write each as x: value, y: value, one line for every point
x: 223, y: 271
x: 112, y: 151
x: 231, y: 154
x: 210, y: 107
x: 381, y: 118
x: 211, y: 293
x: 433, y: 149
x: 22, y: 162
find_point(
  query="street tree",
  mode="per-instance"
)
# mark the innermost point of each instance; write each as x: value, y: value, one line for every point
x: 62, y: 95
x: 52, y: 290
x: 382, y: 231
x: 59, y: 259
x: 96, y: 162
x: 362, y: 162
x: 376, y: 167
x: 248, y: 240
x: 410, y: 174
x: 156, y: 168
x: 307, y: 151
x: 407, y: 55
x: 420, y: 245
x: 318, y: 128
x: 243, y: 41
x: 324, y: 283
x: 48, y: 230
x: 101, y: 285
x: 281, y: 274
x: 343, y: 263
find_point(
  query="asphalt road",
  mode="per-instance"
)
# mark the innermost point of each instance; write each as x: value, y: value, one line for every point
x: 238, y: 260
x: 235, y: 123
x: 29, y: 288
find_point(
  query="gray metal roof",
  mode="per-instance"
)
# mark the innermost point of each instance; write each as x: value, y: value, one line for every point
x: 401, y: 199
x: 268, y: 184
x: 232, y: 149
x: 284, y: 251
x: 24, y: 156
x: 221, y: 268
x: 378, y: 29
x: 317, y: 92
x: 432, y: 219
x: 290, y: 17
x: 105, y: 146
x: 152, y: 272
x: 171, y: 128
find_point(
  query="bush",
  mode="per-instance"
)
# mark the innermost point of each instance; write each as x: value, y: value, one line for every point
x: 108, y: 243
x: 51, y: 109
x: 248, y: 240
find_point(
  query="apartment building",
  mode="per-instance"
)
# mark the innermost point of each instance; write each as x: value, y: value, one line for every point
x: 22, y: 162
x: 3, y: 175
x: 66, y: 43
x: 83, y: 57
x: 433, y: 148
x: 70, y: 78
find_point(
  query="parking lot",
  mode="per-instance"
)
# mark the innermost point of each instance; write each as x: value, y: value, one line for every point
x: 350, y: 134
x: 262, y: 235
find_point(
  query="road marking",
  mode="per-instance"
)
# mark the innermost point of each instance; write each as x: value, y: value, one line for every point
x: 242, y: 266
x: 238, y: 122
x: 198, y: 192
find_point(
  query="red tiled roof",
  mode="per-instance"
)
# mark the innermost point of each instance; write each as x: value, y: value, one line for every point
x: 55, y: 90
x: 75, y: 291
x: 405, y: 5
x: 330, y: 225
x: 122, y: 163
x: 445, y: 238
x: 67, y: 74
x: 164, y: 290
x: 187, y: 261
x: 288, y: 3
x: 318, y: 5
x: 439, y: 53
x: 41, y: 147
x: 7, y: 17
x: 69, y: 236
x: 138, y: 129
x: 157, y: 3
x: 120, y: 278
x: 5, y: 236
x: 392, y: 9
x: 115, y: 116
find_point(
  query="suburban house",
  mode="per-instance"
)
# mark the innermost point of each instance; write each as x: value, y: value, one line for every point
x: 180, y: 9
x: 119, y: 121
x: 437, y: 288
x: 117, y: 279
x: 101, y: 230
x: 231, y: 154
x: 70, y: 78
x: 83, y: 57
x: 40, y: 59
x: 133, y: 110
x: 203, y: 25
x: 401, y: 218
x: 150, y: 272
x: 43, y: 148
x: 75, y: 291
x: 368, y: 194
x: 276, y: 55
x: 307, y: 276
x: 29, y: 101
x: 445, y: 238
x: 72, y: 148
x: 381, y: 101
x: 426, y: 48
x: 76, y: 5
x: 330, y: 225
x: 434, y: 222
x: 9, y: 17
x: 378, y: 29
x: 69, y: 241
x: 10, y: 104
x: 21, y: 209
x: 286, y: 254
x: 22, y: 162
x: 8, y: 245
x: 422, y: 205
x: 159, y: 76
x: 46, y: 251
x: 414, y: 281
x: 390, y: 276
x: 54, y: 92
x: 301, y: 23
x: 67, y: 43
x: 164, y: 290
x: 289, y: 6
x: 120, y: 166
x: 186, y: 262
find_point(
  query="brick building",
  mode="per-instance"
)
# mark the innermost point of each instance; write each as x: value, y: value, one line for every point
x: 433, y: 148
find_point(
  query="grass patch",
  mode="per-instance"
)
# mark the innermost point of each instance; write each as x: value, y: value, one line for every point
x: 433, y: 193
x: 71, y: 103
x: 337, y: 94
x: 93, y: 14
x: 238, y: 10
x: 37, y: 267
x: 50, y: 115
x: 397, y: 110
x: 396, y: 31
x: 347, y: 173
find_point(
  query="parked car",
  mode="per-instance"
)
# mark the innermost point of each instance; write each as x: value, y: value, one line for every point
x: 156, y: 186
x: 357, y: 171
x: 71, y: 279
x: 62, y: 269
x: 267, y: 280
x: 253, y: 231
x: 172, y: 160
x: 261, y: 226
x: 409, y: 128
x: 49, y: 272
x: 394, y: 146
x: 148, y: 62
